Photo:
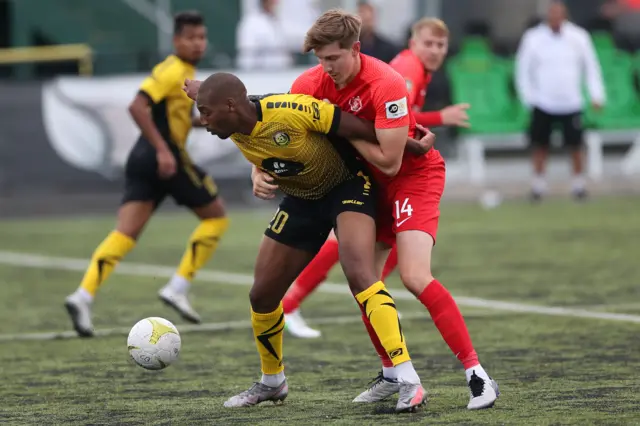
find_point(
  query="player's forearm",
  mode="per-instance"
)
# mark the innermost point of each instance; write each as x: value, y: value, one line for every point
x: 388, y: 156
x: 375, y: 156
x: 150, y: 132
x: 429, y: 118
x: 415, y: 147
x: 352, y: 127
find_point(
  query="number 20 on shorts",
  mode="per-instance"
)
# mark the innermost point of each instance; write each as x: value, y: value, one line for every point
x: 405, y: 208
x: 278, y: 221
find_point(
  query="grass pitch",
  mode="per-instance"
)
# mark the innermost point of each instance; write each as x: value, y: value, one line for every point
x: 551, y: 369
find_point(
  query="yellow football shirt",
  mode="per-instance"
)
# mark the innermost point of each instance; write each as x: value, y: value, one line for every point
x: 290, y: 143
x: 171, y: 108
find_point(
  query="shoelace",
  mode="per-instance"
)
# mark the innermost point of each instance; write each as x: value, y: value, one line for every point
x: 251, y: 390
x: 378, y: 380
x: 476, y: 385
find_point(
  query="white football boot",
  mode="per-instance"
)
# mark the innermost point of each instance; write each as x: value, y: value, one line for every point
x: 79, y: 309
x: 179, y: 301
x: 297, y: 326
x: 412, y: 396
x: 379, y: 389
x: 483, y: 393
x: 257, y: 394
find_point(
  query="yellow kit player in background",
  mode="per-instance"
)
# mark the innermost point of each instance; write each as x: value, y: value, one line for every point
x: 158, y: 166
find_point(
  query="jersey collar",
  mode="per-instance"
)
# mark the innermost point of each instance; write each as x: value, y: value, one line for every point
x: 185, y: 63
x: 259, y: 123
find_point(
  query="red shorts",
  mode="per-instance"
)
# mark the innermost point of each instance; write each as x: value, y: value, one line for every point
x: 411, y: 201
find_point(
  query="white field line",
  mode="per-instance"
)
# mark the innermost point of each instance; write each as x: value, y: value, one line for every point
x: 186, y: 328
x: 208, y: 327
x: 147, y: 270
x: 612, y: 306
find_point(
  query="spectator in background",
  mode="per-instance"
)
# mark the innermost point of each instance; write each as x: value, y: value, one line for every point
x: 552, y: 60
x: 299, y: 16
x: 261, y: 40
x: 372, y: 43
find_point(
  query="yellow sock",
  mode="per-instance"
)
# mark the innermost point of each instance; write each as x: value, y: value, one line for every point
x: 202, y: 243
x: 381, y: 311
x: 108, y: 254
x: 267, y: 330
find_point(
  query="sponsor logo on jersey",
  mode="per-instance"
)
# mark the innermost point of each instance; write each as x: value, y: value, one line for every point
x: 397, y: 109
x: 282, y: 168
x: 281, y: 139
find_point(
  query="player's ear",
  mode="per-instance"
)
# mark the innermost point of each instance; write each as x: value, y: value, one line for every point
x: 355, y: 49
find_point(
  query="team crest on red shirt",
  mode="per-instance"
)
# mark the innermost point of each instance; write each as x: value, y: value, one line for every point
x: 355, y: 104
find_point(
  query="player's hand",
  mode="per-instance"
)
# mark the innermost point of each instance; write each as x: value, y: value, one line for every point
x: 167, y: 164
x: 426, y: 142
x: 597, y: 106
x: 263, y: 186
x: 191, y: 88
x: 427, y: 137
x: 456, y: 115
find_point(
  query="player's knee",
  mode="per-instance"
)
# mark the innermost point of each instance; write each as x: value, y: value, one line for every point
x: 359, y: 271
x: 130, y: 229
x: 262, y: 302
x: 416, y: 281
x: 133, y: 216
x: 213, y: 210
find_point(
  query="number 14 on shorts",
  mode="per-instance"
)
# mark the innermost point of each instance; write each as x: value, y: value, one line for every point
x: 403, y: 211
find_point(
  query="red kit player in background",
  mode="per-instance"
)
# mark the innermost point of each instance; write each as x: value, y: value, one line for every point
x: 410, y: 192
x: 427, y: 50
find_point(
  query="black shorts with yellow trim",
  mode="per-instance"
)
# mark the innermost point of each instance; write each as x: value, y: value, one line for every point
x: 190, y: 186
x: 306, y: 224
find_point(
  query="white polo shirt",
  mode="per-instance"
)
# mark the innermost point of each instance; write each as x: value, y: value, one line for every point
x: 261, y: 43
x: 552, y: 67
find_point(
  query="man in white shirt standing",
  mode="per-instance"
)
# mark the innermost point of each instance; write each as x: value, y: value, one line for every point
x: 553, y: 61
x: 261, y: 40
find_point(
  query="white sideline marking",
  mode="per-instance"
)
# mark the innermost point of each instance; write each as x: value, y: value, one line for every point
x: 148, y: 270
x: 186, y: 328
x: 612, y: 306
x: 196, y: 328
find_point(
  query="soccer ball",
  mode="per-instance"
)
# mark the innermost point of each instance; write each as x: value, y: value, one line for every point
x: 154, y: 343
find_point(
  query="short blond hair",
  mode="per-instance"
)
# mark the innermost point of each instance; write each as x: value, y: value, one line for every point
x: 437, y: 27
x: 333, y: 26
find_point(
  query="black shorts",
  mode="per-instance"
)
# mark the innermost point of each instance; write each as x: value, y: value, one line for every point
x: 543, y: 124
x: 190, y: 186
x: 306, y: 224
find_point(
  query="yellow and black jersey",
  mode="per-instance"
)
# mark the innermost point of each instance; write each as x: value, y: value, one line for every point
x: 171, y: 108
x: 290, y: 143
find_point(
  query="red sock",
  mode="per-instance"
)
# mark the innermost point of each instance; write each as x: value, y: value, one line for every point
x: 384, y: 357
x: 449, y: 321
x: 392, y: 262
x: 315, y: 273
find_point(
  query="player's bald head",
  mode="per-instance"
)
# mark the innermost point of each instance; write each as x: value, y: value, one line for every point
x: 224, y: 106
x: 220, y: 87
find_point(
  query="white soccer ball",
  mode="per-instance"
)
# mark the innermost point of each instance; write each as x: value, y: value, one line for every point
x: 154, y: 343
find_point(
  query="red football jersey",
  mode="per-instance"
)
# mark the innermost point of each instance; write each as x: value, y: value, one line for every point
x: 417, y: 78
x: 377, y: 93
